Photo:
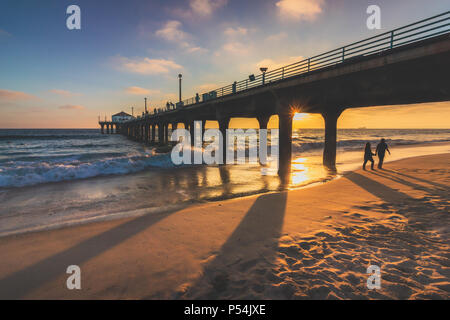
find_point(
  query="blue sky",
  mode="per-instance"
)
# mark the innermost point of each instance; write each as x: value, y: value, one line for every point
x: 54, y: 77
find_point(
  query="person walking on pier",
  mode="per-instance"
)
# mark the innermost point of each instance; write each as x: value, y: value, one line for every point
x: 368, y: 156
x: 382, y: 147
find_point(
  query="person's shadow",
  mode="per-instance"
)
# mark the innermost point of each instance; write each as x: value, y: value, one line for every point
x: 419, y: 211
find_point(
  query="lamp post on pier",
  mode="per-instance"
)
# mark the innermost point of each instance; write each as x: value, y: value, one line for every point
x: 263, y: 71
x: 180, y: 76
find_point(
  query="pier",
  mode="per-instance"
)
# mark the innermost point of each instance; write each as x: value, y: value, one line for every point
x: 408, y: 65
x: 110, y: 127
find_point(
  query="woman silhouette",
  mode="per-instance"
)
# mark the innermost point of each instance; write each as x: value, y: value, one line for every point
x: 368, y: 156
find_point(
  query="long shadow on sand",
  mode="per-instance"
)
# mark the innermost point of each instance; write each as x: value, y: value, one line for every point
x: 392, y: 172
x: 430, y: 207
x: 254, y: 240
x: 18, y: 284
x: 404, y: 182
x: 376, y: 188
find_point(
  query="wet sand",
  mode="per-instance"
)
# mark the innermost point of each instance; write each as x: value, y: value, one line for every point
x: 313, y: 243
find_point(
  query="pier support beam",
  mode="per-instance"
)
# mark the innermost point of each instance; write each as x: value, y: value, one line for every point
x: 153, y: 133
x: 263, y: 120
x: 166, y: 133
x: 189, y: 125
x: 329, y: 151
x: 192, y: 131
x: 103, y: 128
x: 145, y: 132
x: 285, y: 143
x: 223, y: 126
x: 174, y: 127
x: 160, y: 134
x: 107, y: 128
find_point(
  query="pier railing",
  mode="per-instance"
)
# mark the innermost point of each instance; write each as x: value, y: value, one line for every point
x: 421, y: 30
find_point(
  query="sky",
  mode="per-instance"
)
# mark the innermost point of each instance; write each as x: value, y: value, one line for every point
x: 53, y: 77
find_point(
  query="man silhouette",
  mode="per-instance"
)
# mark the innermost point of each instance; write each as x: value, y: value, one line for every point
x: 382, y: 147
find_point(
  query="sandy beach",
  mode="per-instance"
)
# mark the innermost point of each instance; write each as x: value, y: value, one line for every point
x: 313, y: 243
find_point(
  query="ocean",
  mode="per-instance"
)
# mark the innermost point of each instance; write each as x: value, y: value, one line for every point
x: 50, y: 178
x: 34, y: 156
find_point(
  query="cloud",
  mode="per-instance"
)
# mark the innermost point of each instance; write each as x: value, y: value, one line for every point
x: 236, y: 48
x: 199, y: 9
x: 238, y: 31
x: 141, y: 91
x: 145, y: 65
x: 190, y: 49
x: 206, y: 7
x: 272, y: 64
x: 172, y: 32
x: 300, y: 9
x: 64, y: 93
x: 71, y: 107
x: 9, y: 95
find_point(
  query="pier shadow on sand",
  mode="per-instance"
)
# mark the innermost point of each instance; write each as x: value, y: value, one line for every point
x: 22, y: 282
x: 254, y: 240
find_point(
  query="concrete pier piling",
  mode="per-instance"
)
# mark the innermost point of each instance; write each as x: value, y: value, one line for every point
x: 285, y: 143
x: 329, y: 153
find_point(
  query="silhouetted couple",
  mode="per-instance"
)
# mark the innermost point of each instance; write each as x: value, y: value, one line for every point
x: 382, y: 147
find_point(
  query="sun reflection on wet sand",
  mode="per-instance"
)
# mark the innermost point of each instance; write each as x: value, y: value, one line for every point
x: 300, y: 172
x: 305, y: 170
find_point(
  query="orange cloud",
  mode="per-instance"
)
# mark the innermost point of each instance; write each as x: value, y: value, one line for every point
x: 300, y: 9
x: 146, y: 65
x: 9, y: 95
x: 140, y: 91
x: 272, y: 64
